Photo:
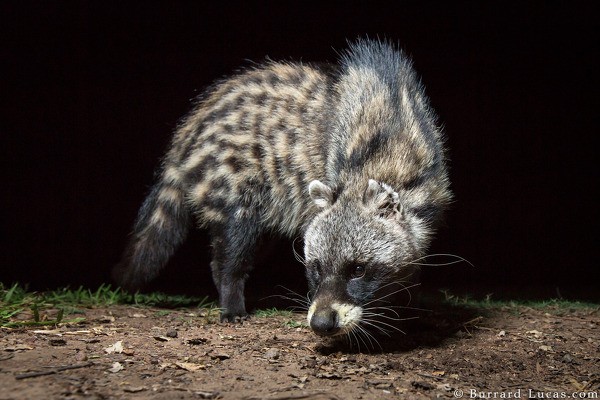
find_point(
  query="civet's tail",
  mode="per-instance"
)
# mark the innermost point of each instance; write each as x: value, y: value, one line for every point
x: 161, y: 226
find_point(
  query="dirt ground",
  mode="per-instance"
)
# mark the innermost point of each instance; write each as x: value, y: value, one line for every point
x: 149, y: 353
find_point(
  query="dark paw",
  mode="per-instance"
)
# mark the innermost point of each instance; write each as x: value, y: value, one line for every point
x: 234, y: 317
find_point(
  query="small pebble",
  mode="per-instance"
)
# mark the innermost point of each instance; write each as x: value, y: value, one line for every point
x: 172, y: 333
x: 58, y: 342
x: 220, y: 356
x: 81, y: 356
x: 272, y: 354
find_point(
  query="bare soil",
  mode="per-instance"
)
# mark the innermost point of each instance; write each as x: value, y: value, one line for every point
x: 149, y: 353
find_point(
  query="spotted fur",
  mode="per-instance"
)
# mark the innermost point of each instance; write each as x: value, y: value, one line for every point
x: 348, y: 155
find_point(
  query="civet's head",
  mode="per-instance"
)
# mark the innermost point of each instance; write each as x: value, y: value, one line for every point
x: 357, y: 251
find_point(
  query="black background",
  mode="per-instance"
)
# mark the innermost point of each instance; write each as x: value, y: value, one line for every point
x: 92, y: 91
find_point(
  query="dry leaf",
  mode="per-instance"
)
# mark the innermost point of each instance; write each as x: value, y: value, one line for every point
x: 115, y: 348
x: 545, y: 348
x: 106, y: 319
x: 48, y: 332
x: 116, y: 367
x: 134, y: 389
x: 578, y: 385
x: 18, y: 347
x: 534, y: 333
x: 188, y: 366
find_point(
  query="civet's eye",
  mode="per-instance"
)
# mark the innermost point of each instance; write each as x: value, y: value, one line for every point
x: 357, y: 271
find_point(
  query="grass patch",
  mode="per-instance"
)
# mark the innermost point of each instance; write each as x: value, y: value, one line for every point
x: 488, y: 302
x: 20, y: 307
x: 275, y: 312
x: 296, y: 324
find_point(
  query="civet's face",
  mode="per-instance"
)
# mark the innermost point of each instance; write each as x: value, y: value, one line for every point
x: 354, y: 254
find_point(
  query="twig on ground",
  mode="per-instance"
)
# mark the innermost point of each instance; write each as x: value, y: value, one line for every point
x: 437, y: 378
x: 52, y: 371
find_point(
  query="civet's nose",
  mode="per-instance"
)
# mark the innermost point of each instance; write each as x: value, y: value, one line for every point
x: 325, y: 323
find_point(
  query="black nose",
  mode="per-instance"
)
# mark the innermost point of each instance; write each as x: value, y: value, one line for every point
x: 324, y: 323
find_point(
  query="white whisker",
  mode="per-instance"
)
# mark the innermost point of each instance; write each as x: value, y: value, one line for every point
x: 370, y: 337
x: 355, y: 338
x: 377, y: 327
x: 458, y: 260
x: 301, y: 302
x: 382, y: 315
x: 297, y: 255
x: 390, y: 308
x: 392, y: 293
x: 375, y: 323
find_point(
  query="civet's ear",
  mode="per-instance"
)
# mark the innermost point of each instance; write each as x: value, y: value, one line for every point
x: 320, y: 193
x: 382, y: 199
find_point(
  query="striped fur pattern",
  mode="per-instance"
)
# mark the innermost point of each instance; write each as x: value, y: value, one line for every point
x: 347, y: 155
